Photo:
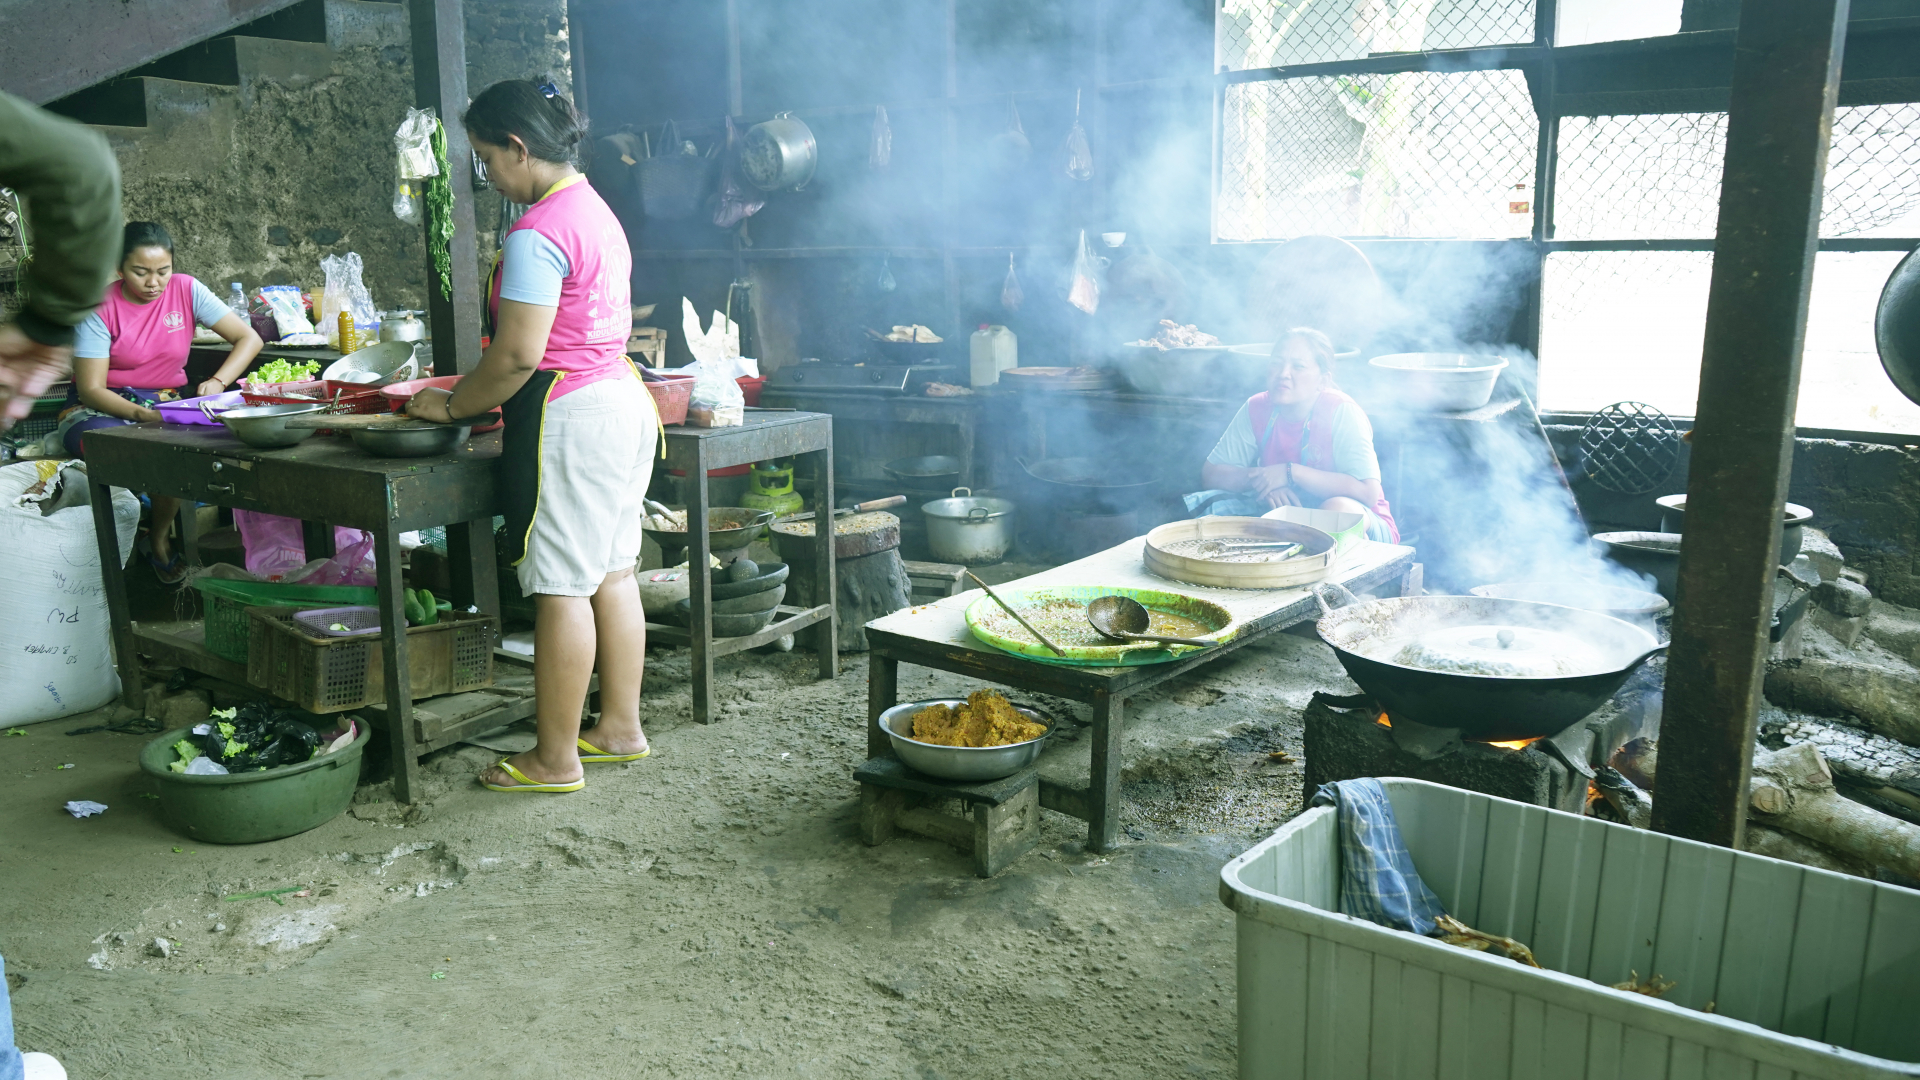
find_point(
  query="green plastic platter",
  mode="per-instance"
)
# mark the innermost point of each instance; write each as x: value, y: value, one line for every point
x: 995, y: 627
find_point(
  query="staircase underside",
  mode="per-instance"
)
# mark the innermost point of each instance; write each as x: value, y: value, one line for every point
x: 49, y: 52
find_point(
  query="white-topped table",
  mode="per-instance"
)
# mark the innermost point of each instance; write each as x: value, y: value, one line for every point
x: 936, y: 635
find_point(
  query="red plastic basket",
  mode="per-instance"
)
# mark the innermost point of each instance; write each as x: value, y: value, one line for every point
x: 346, y: 397
x: 672, y: 394
x: 750, y: 389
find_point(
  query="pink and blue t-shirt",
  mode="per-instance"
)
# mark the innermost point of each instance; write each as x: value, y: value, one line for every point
x: 569, y: 252
x: 145, y: 345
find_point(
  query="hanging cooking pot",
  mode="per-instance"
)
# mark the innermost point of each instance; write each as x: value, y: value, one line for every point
x: 1896, y: 327
x: 779, y: 153
x: 1493, y: 669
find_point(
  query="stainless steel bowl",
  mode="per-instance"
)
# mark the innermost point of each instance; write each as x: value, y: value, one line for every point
x: 265, y: 426
x: 410, y: 438
x: 959, y: 762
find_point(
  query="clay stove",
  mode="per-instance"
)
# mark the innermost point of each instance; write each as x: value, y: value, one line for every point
x: 1351, y: 737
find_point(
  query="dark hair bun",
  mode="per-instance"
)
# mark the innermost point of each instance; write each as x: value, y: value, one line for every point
x: 534, y: 111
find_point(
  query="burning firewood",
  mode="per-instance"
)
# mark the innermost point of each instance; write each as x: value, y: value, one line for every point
x: 1452, y: 931
x: 1655, y: 986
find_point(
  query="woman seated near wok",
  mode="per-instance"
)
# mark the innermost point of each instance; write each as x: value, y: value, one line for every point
x: 131, y: 354
x: 1301, y: 443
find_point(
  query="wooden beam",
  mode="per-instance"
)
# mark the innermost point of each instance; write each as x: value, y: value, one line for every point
x: 440, y: 84
x: 1786, y: 77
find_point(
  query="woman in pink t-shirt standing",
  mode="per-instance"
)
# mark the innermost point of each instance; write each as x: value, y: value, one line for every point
x: 131, y: 354
x: 580, y: 437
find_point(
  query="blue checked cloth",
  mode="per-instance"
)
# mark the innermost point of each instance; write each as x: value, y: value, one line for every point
x: 1377, y: 879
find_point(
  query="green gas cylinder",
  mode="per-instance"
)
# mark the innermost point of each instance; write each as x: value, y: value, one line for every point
x: 770, y: 487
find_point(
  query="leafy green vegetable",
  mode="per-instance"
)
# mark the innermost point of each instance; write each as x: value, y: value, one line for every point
x: 285, y: 371
x: 226, y: 740
x: 187, y: 752
x: 226, y: 714
x: 440, y: 213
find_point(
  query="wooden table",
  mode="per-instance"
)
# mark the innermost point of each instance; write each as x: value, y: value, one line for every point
x: 324, y: 480
x: 766, y: 435
x: 937, y: 636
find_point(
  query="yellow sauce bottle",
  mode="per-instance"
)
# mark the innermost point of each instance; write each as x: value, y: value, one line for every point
x: 347, y: 339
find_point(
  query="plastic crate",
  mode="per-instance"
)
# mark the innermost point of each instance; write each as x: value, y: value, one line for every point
x: 227, y: 602
x: 329, y: 675
x: 672, y: 393
x: 357, y: 620
x: 1808, y: 974
x: 341, y: 396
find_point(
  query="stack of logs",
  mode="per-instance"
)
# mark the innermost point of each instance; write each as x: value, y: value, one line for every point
x: 1840, y: 791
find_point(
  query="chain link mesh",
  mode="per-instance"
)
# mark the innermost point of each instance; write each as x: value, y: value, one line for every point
x: 1444, y: 154
x: 1657, y: 176
x: 1274, y: 33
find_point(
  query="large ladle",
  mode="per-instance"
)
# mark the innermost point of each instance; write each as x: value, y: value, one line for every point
x: 1124, y: 618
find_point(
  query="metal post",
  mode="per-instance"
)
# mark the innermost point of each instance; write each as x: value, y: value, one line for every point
x: 440, y: 84
x: 1786, y: 76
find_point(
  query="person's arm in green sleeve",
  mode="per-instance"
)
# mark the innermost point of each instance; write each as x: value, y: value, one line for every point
x: 67, y: 175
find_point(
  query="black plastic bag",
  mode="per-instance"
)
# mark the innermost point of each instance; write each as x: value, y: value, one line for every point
x: 259, y: 737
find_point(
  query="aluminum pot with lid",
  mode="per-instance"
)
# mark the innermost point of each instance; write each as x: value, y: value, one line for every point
x: 402, y: 326
x: 779, y: 153
x: 969, y: 529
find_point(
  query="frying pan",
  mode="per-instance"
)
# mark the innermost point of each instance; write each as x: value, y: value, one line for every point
x: 1085, y: 479
x: 1480, y: 706
x: 1896, y: 327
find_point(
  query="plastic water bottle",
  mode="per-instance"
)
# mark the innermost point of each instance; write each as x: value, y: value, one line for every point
x: 237, y: 300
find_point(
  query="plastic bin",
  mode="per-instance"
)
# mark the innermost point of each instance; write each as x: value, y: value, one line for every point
x: 328, y: 675
x: 1810, y: 974
x: 187, y: 410
x: 227, y: 602
x: 672, y: 393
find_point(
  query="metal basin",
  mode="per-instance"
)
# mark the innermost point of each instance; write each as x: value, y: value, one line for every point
x: 1673, y: 519
x: 265, y: 426
x: 959, y: 762
x: 410, y: 438
x: 386, y: 360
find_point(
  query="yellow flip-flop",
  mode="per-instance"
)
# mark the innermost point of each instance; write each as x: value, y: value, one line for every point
x: 527, y: 783
x: 593, y: 755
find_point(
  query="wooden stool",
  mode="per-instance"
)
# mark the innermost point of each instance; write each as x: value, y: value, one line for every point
x: 933, y: 580
x: 1003, y: 821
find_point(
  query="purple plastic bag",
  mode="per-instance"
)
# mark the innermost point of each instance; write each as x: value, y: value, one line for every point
x: 276, y: 548
x: 736, y: 201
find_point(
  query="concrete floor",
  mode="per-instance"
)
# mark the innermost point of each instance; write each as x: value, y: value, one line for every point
x: 707, y: 910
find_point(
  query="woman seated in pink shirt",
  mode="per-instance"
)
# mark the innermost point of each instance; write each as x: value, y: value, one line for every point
x: 131, y: 354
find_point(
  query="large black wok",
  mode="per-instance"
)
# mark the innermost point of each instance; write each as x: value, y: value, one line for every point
x: 1091, y: 482
x: 1364, y: 635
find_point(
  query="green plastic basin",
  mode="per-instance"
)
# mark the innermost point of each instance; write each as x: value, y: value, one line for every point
x: 251, y: 807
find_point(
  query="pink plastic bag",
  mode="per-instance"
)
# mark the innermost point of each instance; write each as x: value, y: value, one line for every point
x: 275, y: 549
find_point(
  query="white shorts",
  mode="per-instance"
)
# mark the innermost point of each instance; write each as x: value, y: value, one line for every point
x: 597, y: 448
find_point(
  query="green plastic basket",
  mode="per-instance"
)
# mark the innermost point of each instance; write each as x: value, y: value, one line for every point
x: 227, y: 603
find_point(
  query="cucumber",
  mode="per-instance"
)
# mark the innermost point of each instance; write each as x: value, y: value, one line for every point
x: 430, y: 610
x: 416, y: 615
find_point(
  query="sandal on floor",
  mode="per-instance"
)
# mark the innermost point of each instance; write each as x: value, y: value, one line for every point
x: 171, y: 572
x: 593, y: 755
x: 527, y: 783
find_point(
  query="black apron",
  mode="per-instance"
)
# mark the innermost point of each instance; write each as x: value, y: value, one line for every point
x: 525, y: 414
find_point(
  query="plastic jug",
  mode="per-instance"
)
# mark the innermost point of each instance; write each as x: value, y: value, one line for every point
x: 994, y: 349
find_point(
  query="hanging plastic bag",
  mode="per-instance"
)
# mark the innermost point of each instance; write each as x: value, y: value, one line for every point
x: 880, y: 150
x: 413, y: 144
x: 737, y: 200
x: 345, y: 291
x: 886, y: 282
x: 1011, y: 148
x: 1084, y: 291
x: 1079, y: 154
x: 1011, y: 295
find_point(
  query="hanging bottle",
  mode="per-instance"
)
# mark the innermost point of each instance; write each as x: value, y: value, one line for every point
x: 1011, y: 295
